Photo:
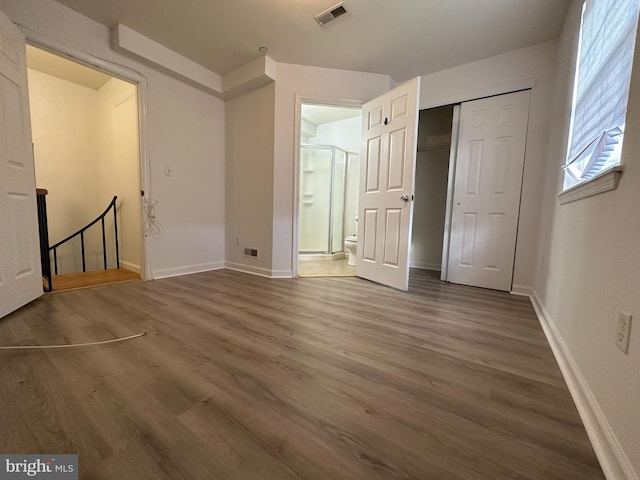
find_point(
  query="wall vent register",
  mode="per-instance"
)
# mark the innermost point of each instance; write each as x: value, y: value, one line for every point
x: 251, y: 252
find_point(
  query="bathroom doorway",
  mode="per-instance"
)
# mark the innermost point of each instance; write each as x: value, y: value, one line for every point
x: 329, y: 177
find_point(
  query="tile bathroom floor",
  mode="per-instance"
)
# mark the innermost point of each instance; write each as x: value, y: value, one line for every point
x: 326, y: 268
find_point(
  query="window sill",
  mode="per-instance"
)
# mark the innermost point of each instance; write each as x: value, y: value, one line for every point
x: 603, y: 182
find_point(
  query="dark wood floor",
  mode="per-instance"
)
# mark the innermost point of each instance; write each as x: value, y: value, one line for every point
x: 242, y: 377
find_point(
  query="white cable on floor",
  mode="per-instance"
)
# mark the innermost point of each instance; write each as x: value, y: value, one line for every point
x: 20, y: 347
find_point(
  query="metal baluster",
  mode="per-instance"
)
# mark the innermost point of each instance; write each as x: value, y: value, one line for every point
x: 45, y: 257
x: 104, y: 246
x: 84, y: 266
x: 115, y: 227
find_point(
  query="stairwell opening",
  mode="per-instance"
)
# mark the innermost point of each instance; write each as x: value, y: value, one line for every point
x: 86, y: 150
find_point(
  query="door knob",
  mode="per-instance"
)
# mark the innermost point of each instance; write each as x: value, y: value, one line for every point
x: 404, y: 198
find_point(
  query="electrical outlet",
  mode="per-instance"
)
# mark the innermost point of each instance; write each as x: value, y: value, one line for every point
x: 623, y: 332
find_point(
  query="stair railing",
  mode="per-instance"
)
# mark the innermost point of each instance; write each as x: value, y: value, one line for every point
x: 43, y: 230
x: 80, y: 232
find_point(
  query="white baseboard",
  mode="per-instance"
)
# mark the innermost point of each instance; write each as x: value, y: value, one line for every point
x: 262, y: 272
x: 426, y: 266
x: 613, y: 460
x: 130, y: 266
x: 186, y: 270
x: 522, y: 290
x: 281, y: 274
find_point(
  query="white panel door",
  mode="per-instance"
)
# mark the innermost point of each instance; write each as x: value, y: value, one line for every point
x: 20, y: 274
x: 486, y: 199
x: 389, y: 142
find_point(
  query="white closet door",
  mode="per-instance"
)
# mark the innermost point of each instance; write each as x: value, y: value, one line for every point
x: 487, y: 186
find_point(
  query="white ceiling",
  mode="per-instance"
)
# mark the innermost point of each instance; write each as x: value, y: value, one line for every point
x: 402, y: 38
x: 60, y: 67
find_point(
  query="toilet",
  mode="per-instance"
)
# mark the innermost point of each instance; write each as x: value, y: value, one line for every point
x: 350, y: 246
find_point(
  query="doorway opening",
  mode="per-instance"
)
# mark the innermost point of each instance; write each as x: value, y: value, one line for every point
x: 86, y: 151
x: 328, y: 186
x: 435, y: 128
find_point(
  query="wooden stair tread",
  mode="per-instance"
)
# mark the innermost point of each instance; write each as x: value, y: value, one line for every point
x: 75, y: 281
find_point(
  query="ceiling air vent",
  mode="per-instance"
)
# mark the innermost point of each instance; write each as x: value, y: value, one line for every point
x: 330, y: 14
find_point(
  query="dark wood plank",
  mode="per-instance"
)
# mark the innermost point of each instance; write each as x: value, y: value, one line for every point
x: 245, y: 377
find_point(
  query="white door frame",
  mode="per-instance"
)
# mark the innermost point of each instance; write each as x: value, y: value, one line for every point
x: 299, y: 100
x: 128, y: 75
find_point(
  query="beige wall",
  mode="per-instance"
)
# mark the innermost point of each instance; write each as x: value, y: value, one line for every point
x: 65, y: 131
x: 589, y: 269
x: 249, y: 179
x: 119, y: 166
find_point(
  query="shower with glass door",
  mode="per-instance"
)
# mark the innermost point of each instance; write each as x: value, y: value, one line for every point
x: 323, y: 175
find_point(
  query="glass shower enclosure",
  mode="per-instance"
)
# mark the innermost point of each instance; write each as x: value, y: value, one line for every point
x: 323, y: 173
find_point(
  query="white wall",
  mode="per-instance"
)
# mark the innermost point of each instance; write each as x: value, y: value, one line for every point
x: 500, y: 74
x: 186, y: 132
x: 249, y: 179
x: 589, y: 269
x: 308, y: 83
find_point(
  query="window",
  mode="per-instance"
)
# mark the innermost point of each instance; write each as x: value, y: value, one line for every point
x: 601, y: 88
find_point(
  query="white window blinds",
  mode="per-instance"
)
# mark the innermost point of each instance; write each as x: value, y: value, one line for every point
x: 601, y: 88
